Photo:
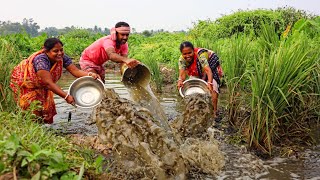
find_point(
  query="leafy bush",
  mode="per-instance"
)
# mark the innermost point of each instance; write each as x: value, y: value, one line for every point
x: 33, y: 161
x: 248, y: 22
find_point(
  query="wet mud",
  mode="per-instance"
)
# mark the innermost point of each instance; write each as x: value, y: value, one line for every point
x: 196, y: 117
x: 141, y: 148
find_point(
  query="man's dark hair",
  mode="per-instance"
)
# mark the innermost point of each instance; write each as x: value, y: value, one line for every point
x: 121, y: 24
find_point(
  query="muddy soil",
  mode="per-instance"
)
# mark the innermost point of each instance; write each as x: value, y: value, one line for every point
x: 141, y: 148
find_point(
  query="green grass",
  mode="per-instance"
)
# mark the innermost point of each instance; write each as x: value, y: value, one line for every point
x: 9, y: 57
x: 237, y: 57
x: 280, y: 86
x: 26, y: 145
x: 27, y: 149
x: 153, y: 65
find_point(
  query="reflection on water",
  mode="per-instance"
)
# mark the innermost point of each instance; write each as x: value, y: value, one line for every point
x: 239, y: 163
x: 305, y: 167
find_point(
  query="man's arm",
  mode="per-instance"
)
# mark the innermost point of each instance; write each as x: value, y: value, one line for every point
x: 113, y: 56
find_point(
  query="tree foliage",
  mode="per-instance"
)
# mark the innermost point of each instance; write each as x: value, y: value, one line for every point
x: 33, y: 29
x: 248, y: 22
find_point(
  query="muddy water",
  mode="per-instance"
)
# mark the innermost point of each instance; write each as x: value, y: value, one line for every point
x: 81, y: 118
x: 146, y: 98
x: 238, y: 162
x: 141, y: 147
x: 196, y: 117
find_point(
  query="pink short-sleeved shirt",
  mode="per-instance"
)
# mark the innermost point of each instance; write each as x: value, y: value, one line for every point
x: 96, y: 52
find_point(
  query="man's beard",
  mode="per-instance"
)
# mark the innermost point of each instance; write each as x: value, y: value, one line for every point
x: 118, y: 44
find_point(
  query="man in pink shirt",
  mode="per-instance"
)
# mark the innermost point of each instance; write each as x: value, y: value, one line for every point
x: 113, y: 47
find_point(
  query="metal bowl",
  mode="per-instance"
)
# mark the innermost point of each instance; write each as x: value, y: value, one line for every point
x: 87, y: 92
x: 139, y: 75
x: 193, y: 86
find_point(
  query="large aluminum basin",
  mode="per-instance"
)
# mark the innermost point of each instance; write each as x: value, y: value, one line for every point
x: 87, y: 92
x: 193, y: 86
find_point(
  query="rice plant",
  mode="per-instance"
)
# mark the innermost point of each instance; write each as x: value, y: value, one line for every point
x: 237, y: 55
x: 151, y: 62
x: 9, y: 57
x: 268, y: 40
x: 279, y: 84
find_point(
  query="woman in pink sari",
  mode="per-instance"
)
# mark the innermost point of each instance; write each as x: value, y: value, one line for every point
x: 35, y: 78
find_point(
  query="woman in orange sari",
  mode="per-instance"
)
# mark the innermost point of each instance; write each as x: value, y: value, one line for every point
x: 35, y: 78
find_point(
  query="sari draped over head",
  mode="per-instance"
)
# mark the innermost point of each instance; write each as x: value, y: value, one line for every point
x: 28, y: 87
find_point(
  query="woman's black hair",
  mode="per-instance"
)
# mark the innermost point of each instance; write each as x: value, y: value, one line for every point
x: 121, y: 24
x: 186, y: 44
x: 50, y: 43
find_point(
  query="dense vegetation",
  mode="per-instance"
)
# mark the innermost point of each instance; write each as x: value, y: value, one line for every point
x: 271, y: 61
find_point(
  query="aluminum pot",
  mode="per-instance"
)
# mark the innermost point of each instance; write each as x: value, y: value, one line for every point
x: 139, y: 75
x: 193, y: 86
x: 87, y: 91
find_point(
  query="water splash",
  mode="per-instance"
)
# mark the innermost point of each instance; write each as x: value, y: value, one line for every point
x: 199, y: 148
x: 141, y: 147
x: 196, y: 118
x: 146, y: 98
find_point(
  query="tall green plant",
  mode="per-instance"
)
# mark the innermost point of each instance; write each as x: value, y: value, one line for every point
x: 153, y: 65
x: 237, y: 56
x: 278, y: 85
x: 247, y: 22
x: 268, y: 39
x: 9, y: 57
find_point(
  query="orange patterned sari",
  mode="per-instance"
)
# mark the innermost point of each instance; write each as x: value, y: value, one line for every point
x: 29, y: 87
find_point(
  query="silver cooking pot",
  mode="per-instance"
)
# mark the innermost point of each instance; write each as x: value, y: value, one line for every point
x: 87, y: 91
x: 139, y: 75
x: 193, y: 86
